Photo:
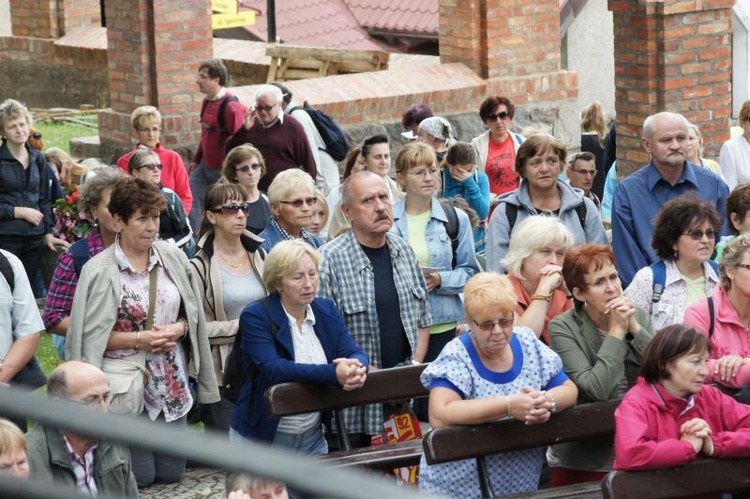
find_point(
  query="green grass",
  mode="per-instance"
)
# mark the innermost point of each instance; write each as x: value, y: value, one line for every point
x: 58, y: 134
x: 47, y: 355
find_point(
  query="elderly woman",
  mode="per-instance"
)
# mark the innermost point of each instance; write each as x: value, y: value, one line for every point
x: 496, y: 371
x: 376, y: 158
x: 534, y: 262
x: 422, y: 220
x: 437, y: 133
x: 293, y: 336
x: 496, y: 149
x: 173, y: 222
x: 539, y: 162
x: 26, y: 221
x: 229, y: 263
x: 94, y: 202
x: 136, y: 312
x: 292, y: 200
x: 13, y: 461
x: 461, y: 178
x: 244, y: 165
x: 683, y: 239
x: 734, y: 156
x: 671, y: 416
x: 600, y: 341
x: 725, y: 322
x: 738, y: 208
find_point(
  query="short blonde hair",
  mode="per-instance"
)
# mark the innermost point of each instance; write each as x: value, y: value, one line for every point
x: 11, y: 109
x: 283, y: 259
x: 745, y: 111
x: 144, y: 113
x: 323, y: 202
x: 412, y: 155
x: 531, y: 234
x: 488, y: 291
x: 289, y: 181
x: 11, y: 437
x: 732, y: 256
x: 239, y: 155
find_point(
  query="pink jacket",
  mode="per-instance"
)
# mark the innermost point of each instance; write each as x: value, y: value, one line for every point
x: 174, y: 175
x: 730, y: 336
x: 648, y: 427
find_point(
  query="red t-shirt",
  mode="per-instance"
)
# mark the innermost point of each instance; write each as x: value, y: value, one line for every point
x: 500, y: 166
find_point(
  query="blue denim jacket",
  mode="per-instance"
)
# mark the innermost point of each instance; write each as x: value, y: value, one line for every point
x: 445, y: 303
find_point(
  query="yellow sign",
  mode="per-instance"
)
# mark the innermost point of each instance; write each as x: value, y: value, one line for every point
x: 224, y: 6
x: 224, y: 21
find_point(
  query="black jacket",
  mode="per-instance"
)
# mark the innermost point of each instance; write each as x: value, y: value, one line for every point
x: 24, y: 188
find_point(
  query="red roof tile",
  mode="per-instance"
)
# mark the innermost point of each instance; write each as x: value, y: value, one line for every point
x: 414, y: 16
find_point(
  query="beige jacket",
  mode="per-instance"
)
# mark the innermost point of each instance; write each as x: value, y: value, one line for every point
x: 94, y: 311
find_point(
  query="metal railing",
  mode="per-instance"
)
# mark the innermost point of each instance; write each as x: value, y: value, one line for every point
x: 297, y: 471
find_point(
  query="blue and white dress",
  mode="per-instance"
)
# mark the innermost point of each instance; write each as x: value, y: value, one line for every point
x: 458, y: 368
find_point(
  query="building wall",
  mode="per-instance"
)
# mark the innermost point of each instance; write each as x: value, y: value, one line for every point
x: 5, y: 26
x: 740, y: 55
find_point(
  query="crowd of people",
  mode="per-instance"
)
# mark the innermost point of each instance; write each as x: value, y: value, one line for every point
x: 489, y: 259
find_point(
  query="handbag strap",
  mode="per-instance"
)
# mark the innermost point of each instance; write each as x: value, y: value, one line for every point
x: 151, y: 297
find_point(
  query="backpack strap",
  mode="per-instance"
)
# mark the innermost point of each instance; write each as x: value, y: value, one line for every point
x: 511, y: 213
x: 7, y: 271
x: 221, y: 116
x: 451, y: 227
x: 79, y: 250
x: 711, y: 316
x: 582, y: 211
x: 659, y: 270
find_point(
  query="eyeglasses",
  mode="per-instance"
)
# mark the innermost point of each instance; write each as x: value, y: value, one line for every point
x: 697, y: 235
x: 265, y: 108
x: 231, y: 210
x: 152, y: 166
x: 297, y: 203
x: 432, y: 172
x: 146, y: 130
x: 94, y: 400
x: 744, y: 265
x: 503, y: 115
x: 583, y: 172
x: 246, y: 168
x: 489, y: 326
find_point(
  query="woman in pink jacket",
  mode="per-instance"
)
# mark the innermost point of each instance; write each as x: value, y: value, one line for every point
x: 669, y: 417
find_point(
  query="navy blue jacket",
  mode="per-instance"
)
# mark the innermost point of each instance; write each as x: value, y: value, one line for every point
x: 273, y: 359
x: 30, y: 189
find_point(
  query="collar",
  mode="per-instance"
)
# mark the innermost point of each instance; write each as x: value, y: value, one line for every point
x: 653, y: 176
x: 304, y: 235
x: 74, y: 457
x: 436, y: 210
x: 670, y: 402
x: 673, y: 273
x: 124, y: 264
x: 219, y: 95
x: 309, y: 315
x: 279, y: 119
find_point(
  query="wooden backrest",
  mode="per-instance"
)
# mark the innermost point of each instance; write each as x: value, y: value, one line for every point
x: 702, y: 476
x: 453, y: 443
x: 398, y: 383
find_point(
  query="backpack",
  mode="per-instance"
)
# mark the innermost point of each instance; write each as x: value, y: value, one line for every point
x: 333, y: 135
x: 511, y: 213
x: 79, y: 250
x: 451, y: 227
x: 234, y: 378
x: 221, y: 116
x: 7, y: 271
x: 659, y: 271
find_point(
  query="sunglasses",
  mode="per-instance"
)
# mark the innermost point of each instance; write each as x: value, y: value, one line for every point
x: 502, y: 115
x: 297, y: 203
x: 246, y: 168
x: 489, y: 326
x: 265, y: 108
x: 152, y: 166
x: 697, y: 235
x: 231, y: 210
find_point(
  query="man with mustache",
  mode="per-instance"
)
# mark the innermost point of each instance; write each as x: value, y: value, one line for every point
x: 641, y: 195
x: 376, y: 282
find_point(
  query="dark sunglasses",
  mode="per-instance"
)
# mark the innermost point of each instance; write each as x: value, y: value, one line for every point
x: 697, y: 235
x: 265, y: 108
x: 502, y: 115
x: 297, y: 203
x: 232, y: 209
x: 152, y: 166
x: 246, y: 168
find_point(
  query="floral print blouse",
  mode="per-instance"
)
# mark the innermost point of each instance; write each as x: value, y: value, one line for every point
x: 166, y: 388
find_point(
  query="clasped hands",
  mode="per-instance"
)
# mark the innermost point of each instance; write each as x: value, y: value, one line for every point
x: 350, y: 373
x: 530, y: 406
x: 161, y: 338
x: 697, y: 432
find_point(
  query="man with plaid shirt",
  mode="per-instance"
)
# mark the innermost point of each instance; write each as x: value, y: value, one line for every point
x: 376, y: 282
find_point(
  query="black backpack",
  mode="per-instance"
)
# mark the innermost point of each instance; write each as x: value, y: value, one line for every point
x: 221, y: 117
x: 333, y: 135
x: 451, y: 227
x: 7, y: 271
x: 511, y: 213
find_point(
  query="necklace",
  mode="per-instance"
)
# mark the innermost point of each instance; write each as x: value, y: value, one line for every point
x: 233, y: 265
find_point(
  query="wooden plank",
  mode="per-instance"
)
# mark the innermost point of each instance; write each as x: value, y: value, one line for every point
x: 587, y: 490
x: 297, y: 52
x: 385, y: 385
x: 463, y: 442
x: 381, y: 457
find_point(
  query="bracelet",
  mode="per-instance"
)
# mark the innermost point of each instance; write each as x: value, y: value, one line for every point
x: 507, y: 399
x: 552, y: 409
x: 415, y: 362
x: 137, y: 340
x: 542, y: 297
x: 185, y: 327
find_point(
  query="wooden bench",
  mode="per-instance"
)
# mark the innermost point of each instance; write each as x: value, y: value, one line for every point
x: 454, y: 443
x: 702, y: 476
x: 290, y: 62
x: 399, y: 383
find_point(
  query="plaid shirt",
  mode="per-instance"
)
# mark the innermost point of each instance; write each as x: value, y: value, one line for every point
x: 83, y: 467
x: 64, y: 282
x: 346, y: 277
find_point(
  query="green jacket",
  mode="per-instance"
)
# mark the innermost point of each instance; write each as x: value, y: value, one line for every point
x: 49, y: 461
x: 596, y: 364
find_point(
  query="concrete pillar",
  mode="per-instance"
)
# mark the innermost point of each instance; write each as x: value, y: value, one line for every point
x: 671, y: 55
x: 155, y: 47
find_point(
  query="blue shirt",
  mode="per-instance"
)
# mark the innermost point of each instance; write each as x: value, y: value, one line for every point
x: 638, y: 200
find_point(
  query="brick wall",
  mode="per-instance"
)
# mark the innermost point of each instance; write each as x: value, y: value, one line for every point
x: 53, y: 18
x: 671, y: 55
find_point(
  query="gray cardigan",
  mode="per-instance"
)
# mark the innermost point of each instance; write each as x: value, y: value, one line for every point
x: 94, y: 312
